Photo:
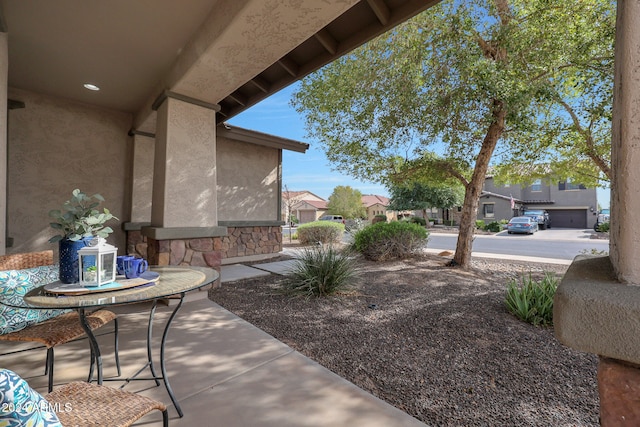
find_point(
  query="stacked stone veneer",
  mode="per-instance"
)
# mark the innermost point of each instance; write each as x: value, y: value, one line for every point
x: 208, y: 251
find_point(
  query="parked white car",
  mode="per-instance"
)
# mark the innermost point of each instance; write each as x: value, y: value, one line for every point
x: 332, y: 218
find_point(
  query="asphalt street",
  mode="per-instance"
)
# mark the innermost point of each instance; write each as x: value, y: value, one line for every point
x: 563, y: 244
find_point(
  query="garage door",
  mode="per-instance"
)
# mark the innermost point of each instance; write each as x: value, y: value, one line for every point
x: 568, y: 218
x: 307, y: 216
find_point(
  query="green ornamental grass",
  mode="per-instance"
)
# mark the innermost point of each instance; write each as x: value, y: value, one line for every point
x: 321, y: 271
x: 532, y: 301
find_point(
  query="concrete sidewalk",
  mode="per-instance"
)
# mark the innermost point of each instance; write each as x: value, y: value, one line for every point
x: 223, y: 370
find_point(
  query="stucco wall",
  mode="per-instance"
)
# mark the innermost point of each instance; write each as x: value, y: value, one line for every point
x: 501, y: 209
x: 248, y: 183
x: 54, y: 147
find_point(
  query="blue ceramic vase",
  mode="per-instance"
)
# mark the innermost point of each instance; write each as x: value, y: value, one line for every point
x: 69, y: 259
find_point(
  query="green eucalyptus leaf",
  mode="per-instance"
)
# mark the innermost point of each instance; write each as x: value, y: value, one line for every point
x: 81, y: 218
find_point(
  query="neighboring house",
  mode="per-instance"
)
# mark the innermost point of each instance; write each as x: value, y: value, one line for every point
x: 377, y: 205
x: 309, y: 210
x: 292, y: 204
x: 569, y: 205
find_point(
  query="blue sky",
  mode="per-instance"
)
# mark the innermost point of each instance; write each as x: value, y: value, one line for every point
x: 310, y: 171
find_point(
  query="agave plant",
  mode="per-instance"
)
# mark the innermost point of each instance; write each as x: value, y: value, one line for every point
x: 80, y: 218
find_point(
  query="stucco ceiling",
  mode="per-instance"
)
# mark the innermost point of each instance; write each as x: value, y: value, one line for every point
x: 230, y: 52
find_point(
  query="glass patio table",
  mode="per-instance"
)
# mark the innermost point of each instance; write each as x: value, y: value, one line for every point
x: 172, y: 281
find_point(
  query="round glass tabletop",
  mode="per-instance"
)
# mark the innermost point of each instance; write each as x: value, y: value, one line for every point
x: 173, y: 280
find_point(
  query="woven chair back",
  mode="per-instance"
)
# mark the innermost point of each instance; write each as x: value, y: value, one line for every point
x: 25, y: 260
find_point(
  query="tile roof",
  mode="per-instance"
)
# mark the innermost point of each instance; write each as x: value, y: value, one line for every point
x: 371, y: 199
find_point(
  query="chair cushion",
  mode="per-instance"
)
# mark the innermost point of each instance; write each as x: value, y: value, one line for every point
x: 14, y: 284
x: 23, y: 406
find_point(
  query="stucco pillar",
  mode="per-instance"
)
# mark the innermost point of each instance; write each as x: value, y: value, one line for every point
x: 142, y: 183
x: 184, y: 211
x: 597, y: 305
x: 184, y: 184
x: 625, y: 146
x: 141, y: 192
x: 4, y: 73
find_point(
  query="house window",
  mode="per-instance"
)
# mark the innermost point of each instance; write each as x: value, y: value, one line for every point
x: 537, y: 185
x: 487, y: 209
x: 568, y: 185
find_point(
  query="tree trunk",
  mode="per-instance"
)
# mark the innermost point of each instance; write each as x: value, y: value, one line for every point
x: 424, y: 215
x: 473, y: 189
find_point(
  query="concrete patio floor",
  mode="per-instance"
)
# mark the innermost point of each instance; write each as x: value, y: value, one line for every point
x: 223, y: 370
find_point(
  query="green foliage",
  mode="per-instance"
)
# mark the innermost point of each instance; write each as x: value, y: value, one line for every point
x: 347, y: 202
x: 418, y: 220
x: 390, y: 240
x: 466, y: 79
x: 604, y: 227
x: 79, y: 218
x: 379, y: 218
x: 321, y: 271
x: 480, y: 224
x: 418, y: 196
x: 493, y: 226
x: 532, y: 301
x: 320, y: 231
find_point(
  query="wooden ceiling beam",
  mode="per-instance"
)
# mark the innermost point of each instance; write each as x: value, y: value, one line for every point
x: 381, y: 10
x: 261, y: 84
x: 289, y: 66
x: 327, y: 41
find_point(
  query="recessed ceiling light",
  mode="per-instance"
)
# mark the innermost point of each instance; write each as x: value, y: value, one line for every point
x: 91, y: 86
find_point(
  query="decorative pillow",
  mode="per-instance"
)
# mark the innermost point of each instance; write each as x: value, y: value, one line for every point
x: 14, y: 284
x: 22, y: 406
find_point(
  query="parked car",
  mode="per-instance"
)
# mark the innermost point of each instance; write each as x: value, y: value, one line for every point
x: 522, y: 224
x: 603, y: 216
x: 333, y: 218
x: 540, y: 216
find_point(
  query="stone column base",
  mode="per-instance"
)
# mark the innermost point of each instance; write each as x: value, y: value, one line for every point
x: 194, y: 252
x: 619, y: 389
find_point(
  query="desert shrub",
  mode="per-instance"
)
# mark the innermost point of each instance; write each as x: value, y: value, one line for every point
x: 504, y: 221
x: 494, y: 227
x: 320, y: 231
x: 532, y: 301
x: 390, y: 240
x: 604, y: 227
x: 418, y: 220
x: 320, y: 271
x: 480, y: 225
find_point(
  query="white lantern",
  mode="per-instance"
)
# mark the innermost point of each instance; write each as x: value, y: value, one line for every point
x: 97, y: 263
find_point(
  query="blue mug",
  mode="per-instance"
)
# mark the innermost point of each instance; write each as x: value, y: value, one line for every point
x: 134, y: 267
x: 120, y: 263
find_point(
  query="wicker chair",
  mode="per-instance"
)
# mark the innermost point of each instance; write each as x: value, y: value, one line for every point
x: 98, y: 405
x: 60, y: 329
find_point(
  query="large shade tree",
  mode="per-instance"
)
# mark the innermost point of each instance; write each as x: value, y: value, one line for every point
x: 459, y: 80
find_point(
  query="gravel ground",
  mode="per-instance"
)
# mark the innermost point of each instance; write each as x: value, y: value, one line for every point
x: 434, y: 341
